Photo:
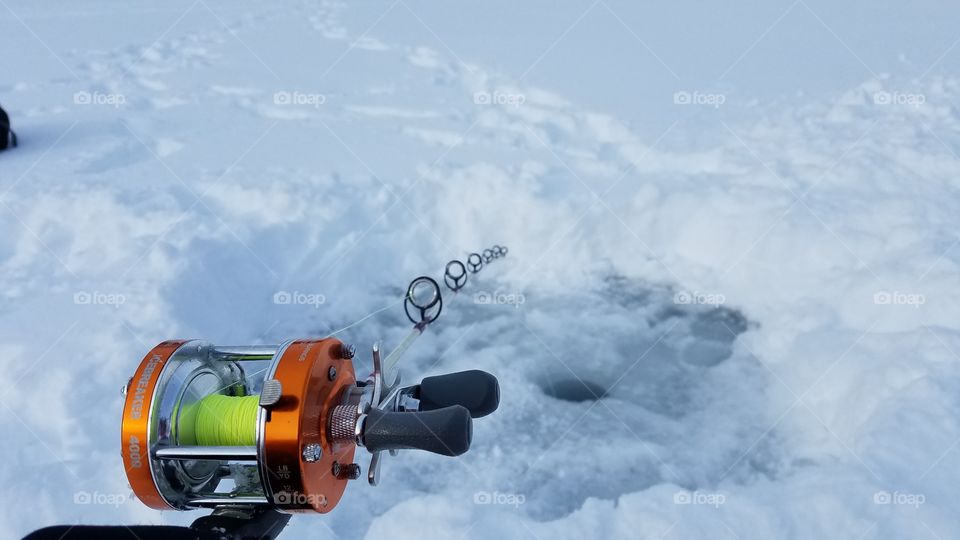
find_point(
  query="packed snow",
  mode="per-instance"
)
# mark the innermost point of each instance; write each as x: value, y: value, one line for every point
x: 730, y: 307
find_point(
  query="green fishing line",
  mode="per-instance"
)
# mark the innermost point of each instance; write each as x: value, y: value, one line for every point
x: 219, y: 420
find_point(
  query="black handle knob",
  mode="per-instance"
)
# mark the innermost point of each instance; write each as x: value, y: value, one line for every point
x: 446, y: 431
x: 476, y: 390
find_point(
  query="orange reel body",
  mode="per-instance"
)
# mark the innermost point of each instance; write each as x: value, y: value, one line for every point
x: 294, y: 465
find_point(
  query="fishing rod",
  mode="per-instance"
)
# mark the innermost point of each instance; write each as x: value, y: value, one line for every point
x: 258, y: 432
x: 475, y: 390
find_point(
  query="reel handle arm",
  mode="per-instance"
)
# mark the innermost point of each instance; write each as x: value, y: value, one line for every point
x: 477, y: 391
x: 447, y: 431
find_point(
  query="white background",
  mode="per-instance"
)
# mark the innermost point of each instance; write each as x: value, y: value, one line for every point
x: 740, y: 221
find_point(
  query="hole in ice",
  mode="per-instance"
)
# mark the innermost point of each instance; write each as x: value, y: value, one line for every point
x: 575, y: 390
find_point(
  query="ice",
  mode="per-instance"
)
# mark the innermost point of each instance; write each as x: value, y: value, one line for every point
x: 738, y: 319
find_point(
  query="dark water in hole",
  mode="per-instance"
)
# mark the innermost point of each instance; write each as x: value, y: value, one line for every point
x: 575, y: 390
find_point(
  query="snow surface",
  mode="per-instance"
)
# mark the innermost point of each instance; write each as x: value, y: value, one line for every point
x: 762, y: 282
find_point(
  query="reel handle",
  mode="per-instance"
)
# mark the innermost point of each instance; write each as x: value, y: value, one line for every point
x: 476, y: 390
x: 447, y: 431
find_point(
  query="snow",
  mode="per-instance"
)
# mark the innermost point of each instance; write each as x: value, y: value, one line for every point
x: 736, y: 222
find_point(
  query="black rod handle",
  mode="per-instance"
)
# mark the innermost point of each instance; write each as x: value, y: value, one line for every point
x: 476, y: 390
x: 447, y: 431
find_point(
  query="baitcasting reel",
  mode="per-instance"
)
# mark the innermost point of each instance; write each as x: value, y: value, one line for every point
x: 257, y: 428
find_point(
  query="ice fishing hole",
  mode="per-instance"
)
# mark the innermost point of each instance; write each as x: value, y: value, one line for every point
x: 575, y: 390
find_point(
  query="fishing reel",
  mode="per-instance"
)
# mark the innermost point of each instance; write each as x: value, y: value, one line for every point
x: 278, y: 427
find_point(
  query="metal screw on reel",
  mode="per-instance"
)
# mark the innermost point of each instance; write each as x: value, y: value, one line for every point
x: 455, y: 275
x: 424, y: 299
x: 475, y: 262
